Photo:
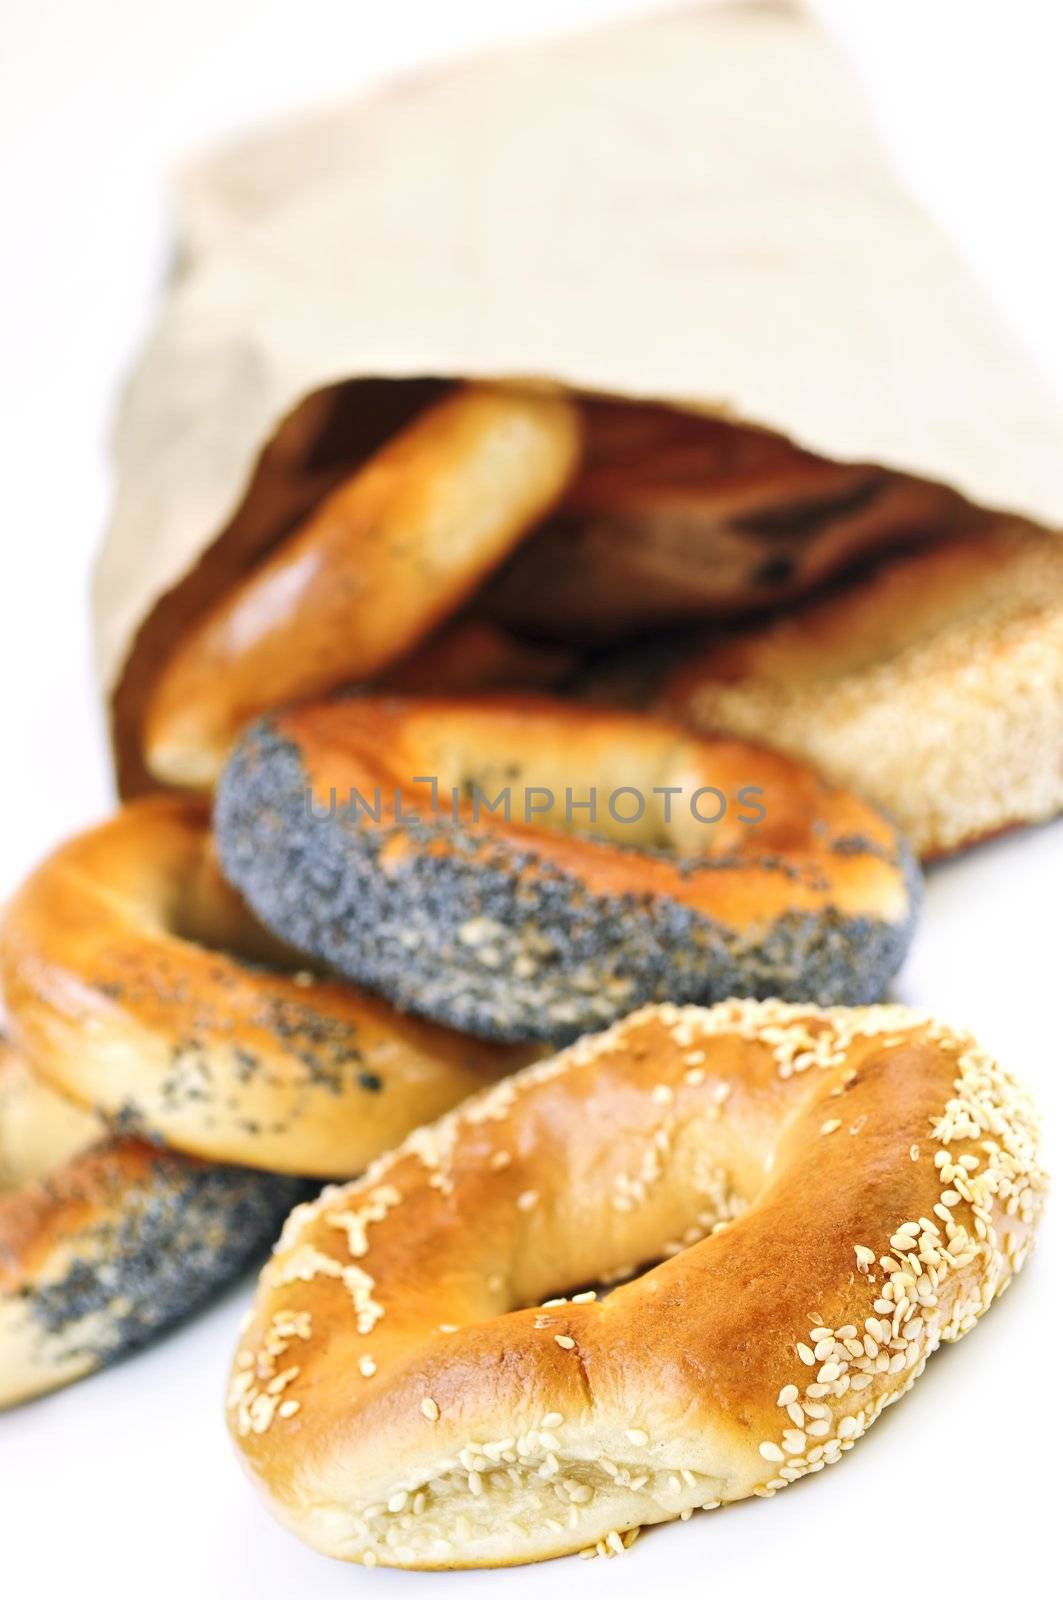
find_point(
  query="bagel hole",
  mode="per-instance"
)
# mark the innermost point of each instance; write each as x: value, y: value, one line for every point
x: 39, y: 1129
x: 603, y: 1285
x: 648, y: 789
x: 695, y: 1201
x: 206, y: 911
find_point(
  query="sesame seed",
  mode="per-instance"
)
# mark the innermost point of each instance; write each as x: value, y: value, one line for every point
x: 638, y: 1436
x: 831, y: 1125
x: 942, y: 1274
x: 564, y: 1341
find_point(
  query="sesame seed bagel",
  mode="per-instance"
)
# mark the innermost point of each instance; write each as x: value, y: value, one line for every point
x: 135, y: 982
x: 515, y: 930
x: 934, y: 683
x: 387, y: 555
x: 104, y: 1240
x: 674, y: 516
x: 834, y: 1193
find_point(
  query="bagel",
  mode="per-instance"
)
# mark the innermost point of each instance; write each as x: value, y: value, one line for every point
x: 516, y: 931
x: 934, y: 684
x: 122, y: 988
x: 386, y: 556
x: 674, y: 516
x: 834, y: 1194
x: 105, y: 1241
x: 474, y: 657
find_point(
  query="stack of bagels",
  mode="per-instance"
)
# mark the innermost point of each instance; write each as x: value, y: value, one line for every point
x: 534, y: 836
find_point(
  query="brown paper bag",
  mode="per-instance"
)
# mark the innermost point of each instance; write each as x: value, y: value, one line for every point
x: 691, y: 208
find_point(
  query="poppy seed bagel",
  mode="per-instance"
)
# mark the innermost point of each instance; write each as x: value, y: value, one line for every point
x: 106, y: 1240
x: 515, y: 931
x: 137, y: 984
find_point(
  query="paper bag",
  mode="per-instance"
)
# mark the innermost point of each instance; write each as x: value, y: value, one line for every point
x: 691, y: 209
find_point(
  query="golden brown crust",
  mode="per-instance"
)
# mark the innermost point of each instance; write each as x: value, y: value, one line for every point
x: 315, y: 447
x: 121, y: 988
x: 471, y: 656
x: 934, y: 685
x: 675, y: 516
x: 371, y: 571
x: 491, y: 921
x: 471, y: 911
x: 371, y: 741
x: 835, y: 1193
x: 104, y: 1240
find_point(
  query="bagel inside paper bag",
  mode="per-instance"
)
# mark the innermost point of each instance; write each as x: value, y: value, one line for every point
x: 688, y: 213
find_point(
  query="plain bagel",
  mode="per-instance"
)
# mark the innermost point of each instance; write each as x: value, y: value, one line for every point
x: 137, y: 983
x: 675, y: 516
x: 509, y: 929
x: 835, y: 1194
x: 384, y: 558
x: 105, y: 1240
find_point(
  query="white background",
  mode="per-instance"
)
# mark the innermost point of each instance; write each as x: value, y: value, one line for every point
x: 125, y: 1485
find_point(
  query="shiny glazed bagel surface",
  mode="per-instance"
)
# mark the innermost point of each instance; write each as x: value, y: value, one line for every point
x: 123, y: 988
x: 835, y: 1193
x: 674, y: 516
x: 385, y: 557
x: 104, y: 1240
x: 512, y: 930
